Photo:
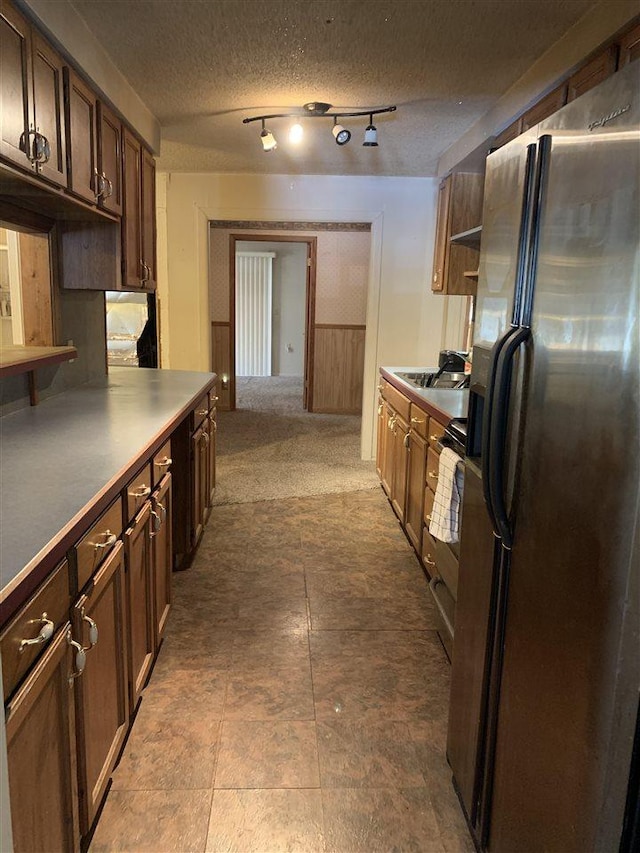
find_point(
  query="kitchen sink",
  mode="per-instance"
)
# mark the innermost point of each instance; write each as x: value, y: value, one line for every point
x: 450, y: 381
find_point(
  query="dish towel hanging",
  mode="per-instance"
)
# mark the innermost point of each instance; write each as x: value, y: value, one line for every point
x: 445, y: 514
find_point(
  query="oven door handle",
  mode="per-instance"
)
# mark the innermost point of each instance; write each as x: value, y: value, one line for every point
x: 434, y: 583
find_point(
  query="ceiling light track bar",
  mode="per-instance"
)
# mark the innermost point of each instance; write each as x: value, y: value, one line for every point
x: 310, y: 114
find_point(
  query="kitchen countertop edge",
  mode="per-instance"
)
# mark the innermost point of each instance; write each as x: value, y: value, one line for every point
x: 443, y: 404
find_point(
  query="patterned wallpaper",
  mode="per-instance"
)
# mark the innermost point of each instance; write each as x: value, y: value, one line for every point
x: 341, y: 278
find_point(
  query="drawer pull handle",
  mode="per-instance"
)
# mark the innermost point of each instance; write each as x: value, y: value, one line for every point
x: 428, y: 518
x: 214, y: 400
x: 164, y: 463
x: 46, y: 633
x: 428, y: 561
x: 157, y: 523
x: 202, y: 412
x: 140, y: 492
x: 418, y: 421
x: 434, y: 438
x: 406, y: 440
x: 93, y: 630
x: 110, y: 540
x: 80, y: 659
x: 433, y: 474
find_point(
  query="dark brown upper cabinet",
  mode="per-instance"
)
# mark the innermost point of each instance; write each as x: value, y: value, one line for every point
x: 32, y: 130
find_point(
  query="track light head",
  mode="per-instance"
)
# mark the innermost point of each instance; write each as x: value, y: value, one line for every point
x: 370, y: 135
x: 341, y: 134
x: 296, y: 133
x: 268, y: 139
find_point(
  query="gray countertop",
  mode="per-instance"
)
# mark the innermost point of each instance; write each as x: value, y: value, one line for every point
x: 444, y: 403
x: 61, y: 457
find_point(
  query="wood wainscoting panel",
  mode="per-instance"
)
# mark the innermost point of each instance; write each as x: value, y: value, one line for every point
x: 338, y: 368
x: 220, y: 361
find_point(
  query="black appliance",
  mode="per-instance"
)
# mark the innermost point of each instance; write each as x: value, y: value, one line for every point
x: 451, y: 361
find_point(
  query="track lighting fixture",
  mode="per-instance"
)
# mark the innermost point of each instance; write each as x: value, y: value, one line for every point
x: 319, y: 109
x: 341, y: 134
x: 268, y: 139
x: 370, y: 135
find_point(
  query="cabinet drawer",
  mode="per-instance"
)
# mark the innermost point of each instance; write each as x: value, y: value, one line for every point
x: 138, y: 491
x: 200, y: 411
x: 436, y: 431
x: 161, y: 462
x: 419, y: 420
x: 399, y: 402
x: 433, y: 461
x: 428, y: 505
x: 447, y: 567
x: 50, y: 604
x: 98, y: 541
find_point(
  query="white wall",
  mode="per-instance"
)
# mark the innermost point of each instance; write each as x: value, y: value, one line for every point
x: 404, y: 319
x: 289, y: 282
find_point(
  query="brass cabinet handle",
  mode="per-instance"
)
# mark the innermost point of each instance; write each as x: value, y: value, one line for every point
x: 202, y: 412
x: 157, y: 523
x: 418, y: 421
x: 215, y: 399
x: 380, y: 409
x: 433, y: 474
x: 428, y: 561
x: 93, y: 630
x: 164, y: 463
x: 141, y: 492
x: 46, y: 633
x: 434, y: 438
x: 80, y: 659
x: 110, y: 540
x: 405, y: 440
x: 108, y: 192
x: 99, y: 185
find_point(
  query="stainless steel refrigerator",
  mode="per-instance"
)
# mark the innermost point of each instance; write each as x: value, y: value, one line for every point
x: 543, y: 739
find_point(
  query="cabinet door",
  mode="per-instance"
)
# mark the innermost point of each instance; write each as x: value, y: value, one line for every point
x: 132, y: 271
x: 139, y: 602
x: 48, y: 97
x: 162, y: 552
x: 545, y: 107
x: 199, y: 460
x: 400, y: 443
x: 102, y: 702
x: 415, y: 489
x: 593, y: 72
x: 381, y: 437
x: 40, y: 726
x: 81, y: 124
x: 441, y: 253
x: 211, y: 485
x: 629, y: 47
x: 15, y: 86
x: 110, y: 159
x: 386, y: 474
x: 148, y: 219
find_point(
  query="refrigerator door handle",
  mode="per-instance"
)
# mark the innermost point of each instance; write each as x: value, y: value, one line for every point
x: 498, y: 430
x: 487, y: 420
x: 520, y: 289
x: 540, y: 180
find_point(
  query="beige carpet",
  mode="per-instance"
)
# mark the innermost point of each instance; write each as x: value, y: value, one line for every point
x: 270, y: 448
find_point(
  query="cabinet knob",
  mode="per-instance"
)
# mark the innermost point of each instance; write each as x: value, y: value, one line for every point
x: 46, y: 633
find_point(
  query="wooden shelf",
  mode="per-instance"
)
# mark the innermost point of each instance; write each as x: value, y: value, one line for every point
x: 470, y: 239
x: 17, y: 359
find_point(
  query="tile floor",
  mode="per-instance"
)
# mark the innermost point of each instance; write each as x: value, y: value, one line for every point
x: 299, y: 701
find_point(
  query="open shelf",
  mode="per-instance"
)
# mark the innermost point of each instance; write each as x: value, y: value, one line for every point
x: 470, y: 239
x: 17, y: 359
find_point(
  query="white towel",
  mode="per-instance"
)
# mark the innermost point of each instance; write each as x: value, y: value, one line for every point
x: 446, y: 503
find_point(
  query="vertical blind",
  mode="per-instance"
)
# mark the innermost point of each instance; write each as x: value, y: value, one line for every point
x: 253, y: 313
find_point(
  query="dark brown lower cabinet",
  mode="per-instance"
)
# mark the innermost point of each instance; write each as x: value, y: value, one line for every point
x: 137, y: 546
x: 415, y: 489
x: 162, y: 554
x: 41, y: 754
x: 102, y: 700
x: 213, y: 427
x: 200, y: 468
x: 400, y: 455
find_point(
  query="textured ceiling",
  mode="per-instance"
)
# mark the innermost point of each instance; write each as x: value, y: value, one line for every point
x: 201, y: 66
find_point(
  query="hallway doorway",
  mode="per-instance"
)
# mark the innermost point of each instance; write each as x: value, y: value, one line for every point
x: 271, y: 295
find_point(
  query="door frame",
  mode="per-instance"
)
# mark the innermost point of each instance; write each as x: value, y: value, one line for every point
x: 310, y: 307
